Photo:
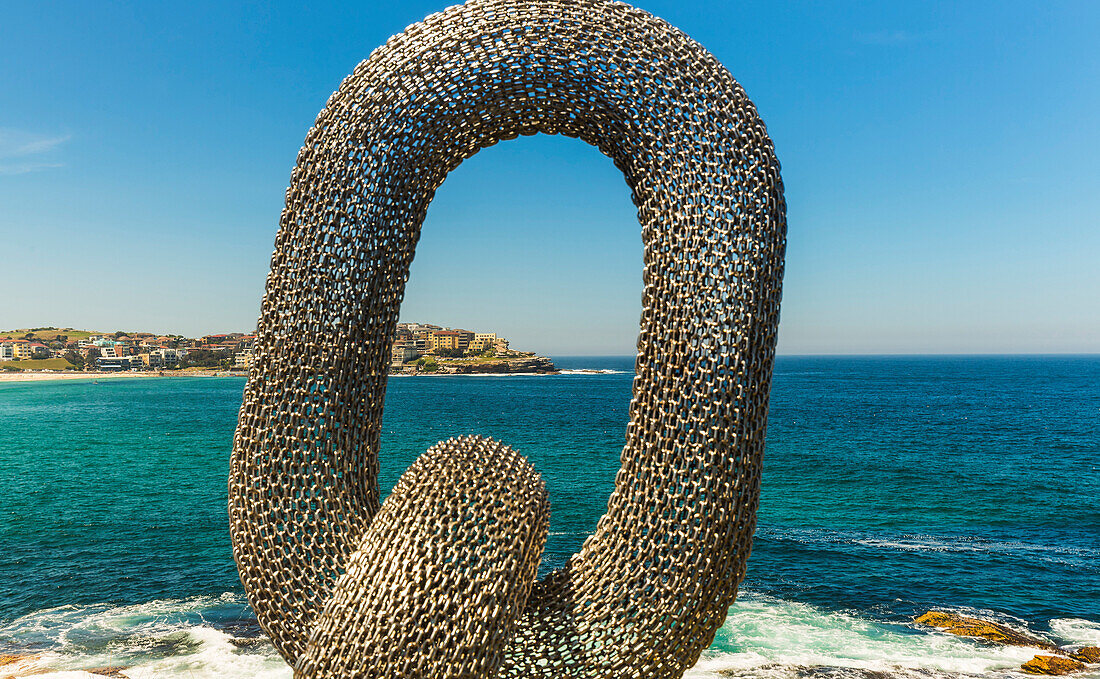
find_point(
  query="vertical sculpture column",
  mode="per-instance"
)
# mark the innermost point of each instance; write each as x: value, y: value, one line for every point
x: 647, y: 591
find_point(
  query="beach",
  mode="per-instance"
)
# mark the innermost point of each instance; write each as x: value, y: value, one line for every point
x: 52, y: 375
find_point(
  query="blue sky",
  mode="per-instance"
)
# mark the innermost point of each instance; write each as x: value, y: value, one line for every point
x: 941, y: 161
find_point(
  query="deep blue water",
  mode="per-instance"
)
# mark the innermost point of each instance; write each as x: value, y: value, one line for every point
x: 891, y: 485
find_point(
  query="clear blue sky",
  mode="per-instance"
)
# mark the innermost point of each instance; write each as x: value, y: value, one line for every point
x: 942, y: 165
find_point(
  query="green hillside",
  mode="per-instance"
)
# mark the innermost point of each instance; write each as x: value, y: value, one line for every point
x: 37, y: 364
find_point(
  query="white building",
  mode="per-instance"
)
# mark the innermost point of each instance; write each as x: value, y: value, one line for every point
x: 118, y: 363
x: 166, y: 358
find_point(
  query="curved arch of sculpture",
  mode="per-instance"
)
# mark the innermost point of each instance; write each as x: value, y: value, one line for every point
x: 651, y: 585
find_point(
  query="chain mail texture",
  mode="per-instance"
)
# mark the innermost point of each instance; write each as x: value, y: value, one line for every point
x: 439, y: 581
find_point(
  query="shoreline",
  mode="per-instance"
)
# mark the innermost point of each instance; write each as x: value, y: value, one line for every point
x: 48, y: 376
x: 70, y: 375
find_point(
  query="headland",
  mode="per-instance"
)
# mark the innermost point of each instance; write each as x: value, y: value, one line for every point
x: 51, y: 353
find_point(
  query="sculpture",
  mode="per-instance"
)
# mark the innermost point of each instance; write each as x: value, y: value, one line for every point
x: 438, y: 580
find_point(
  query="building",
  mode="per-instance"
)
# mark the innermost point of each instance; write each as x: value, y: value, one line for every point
x: 118, y: 363
x: 422, y: 341
x: 483, y: 341
x: 22, y: 350
x: 162, y: 358
x: 417, y: 328
x: 243, y: 359
x: 450, y: 339
x: 7, y: 351
x: 403, y: 351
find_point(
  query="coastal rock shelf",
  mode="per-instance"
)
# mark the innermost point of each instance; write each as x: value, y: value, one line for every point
x: 536, y: 364
x: 964, y: 626
x: 1052, y: 665
x: 1066, y: 661
x: 531, y: 364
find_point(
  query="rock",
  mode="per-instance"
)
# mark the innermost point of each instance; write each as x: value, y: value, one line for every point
x: 1052, y: 664
x: 1088, y: 654
x: 14, y: 665
x: 983, y: 629
x: 808, y: 672
x: 536, y: 364
x: 112, y: 671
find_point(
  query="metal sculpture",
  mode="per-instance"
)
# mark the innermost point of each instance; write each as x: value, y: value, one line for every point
x: 438, y: 580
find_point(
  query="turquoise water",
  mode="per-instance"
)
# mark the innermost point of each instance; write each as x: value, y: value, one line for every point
x: 892, y: 485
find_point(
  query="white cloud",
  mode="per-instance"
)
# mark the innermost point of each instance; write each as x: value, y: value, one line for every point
x: 22, y: 152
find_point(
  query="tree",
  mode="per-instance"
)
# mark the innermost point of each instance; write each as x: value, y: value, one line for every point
x: 207, y: 358
x: 75, y: 358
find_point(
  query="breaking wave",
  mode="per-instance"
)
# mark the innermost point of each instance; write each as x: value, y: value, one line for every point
x: 764, y: 637
x: 772, y: 638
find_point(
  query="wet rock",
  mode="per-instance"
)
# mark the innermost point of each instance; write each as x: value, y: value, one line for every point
x: 1052, y: 665
x: 17, y: 665
x: 982, y: 629
x: 111, y: 671
x: 244, y: 628
x: 1088, y: 654
x: 832, y: 672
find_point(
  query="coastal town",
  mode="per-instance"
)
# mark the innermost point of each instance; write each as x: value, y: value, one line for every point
x: 417, y: 348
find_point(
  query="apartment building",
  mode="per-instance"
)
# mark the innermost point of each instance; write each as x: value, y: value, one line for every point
x: 450, y: 339
x: 118, y: 363
x: 163, y: 358
x: 483, y: 341
x: 403, y: 352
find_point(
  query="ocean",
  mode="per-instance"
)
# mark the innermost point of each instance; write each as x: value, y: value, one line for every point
x: 892, y: 485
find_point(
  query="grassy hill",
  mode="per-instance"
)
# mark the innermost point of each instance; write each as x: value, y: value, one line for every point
x: 50, y: 334
x: 37, y: 364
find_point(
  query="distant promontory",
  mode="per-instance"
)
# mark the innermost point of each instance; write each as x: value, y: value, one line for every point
x: 424, y: 348
x: 417, y: 349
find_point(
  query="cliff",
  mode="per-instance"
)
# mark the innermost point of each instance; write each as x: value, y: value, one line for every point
x: 534, y: 364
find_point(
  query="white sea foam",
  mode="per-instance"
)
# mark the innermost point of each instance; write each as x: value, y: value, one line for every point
x: 167, y: 639
x: 763, y: 638
x: 1077, y: 632
x: 934, y: 543
x: 213, y: 657
x: 593, y: 371
x: 767, y: 637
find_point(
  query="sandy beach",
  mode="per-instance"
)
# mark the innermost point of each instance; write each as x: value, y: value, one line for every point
x: 45, y: 375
